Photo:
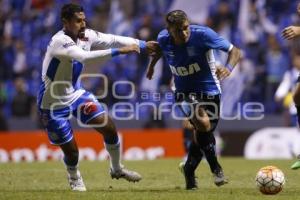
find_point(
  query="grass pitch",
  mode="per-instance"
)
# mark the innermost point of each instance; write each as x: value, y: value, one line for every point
x: 161, y: 180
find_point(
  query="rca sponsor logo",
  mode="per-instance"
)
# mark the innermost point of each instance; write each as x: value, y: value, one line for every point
x: 184, y: 71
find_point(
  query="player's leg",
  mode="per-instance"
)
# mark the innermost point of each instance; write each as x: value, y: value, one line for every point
x: 60, y: 134
x: 71, y: 157
x: 189, y: 167
x: 112, y: 145
x: 296, y: 98
x: 92, y: 113
x: 205, y: 126
x: 194, y: 152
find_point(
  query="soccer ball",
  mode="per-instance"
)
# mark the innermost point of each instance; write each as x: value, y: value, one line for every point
x: 270, y: 180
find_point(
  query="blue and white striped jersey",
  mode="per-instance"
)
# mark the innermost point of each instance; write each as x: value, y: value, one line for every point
x: 193, y: 63
x: 64, y: 61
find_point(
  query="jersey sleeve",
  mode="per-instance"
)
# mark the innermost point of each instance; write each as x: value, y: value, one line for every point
x: 214, y: 41
x: 105, y: 41
x: 162, y: 38
x: 65, y: 47
x: 284, y: 86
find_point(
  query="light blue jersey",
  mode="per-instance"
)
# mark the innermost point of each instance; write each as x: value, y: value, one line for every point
x: 193, y: 63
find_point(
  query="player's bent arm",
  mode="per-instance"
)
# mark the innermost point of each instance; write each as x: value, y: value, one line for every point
x: 234, y: 56
x: 150, y: 68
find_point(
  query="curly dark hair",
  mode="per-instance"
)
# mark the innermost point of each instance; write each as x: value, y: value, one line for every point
x: 68, y: 10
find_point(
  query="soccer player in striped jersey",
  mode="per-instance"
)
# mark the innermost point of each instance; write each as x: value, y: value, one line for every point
x: 61, y: 95
x: 289, y: 33
x: 188, y: 50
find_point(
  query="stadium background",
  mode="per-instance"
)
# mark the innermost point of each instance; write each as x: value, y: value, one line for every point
x: 26, y: 27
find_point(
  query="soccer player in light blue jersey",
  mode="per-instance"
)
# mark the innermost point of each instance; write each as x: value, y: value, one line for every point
x: 61, y: 95
x: 188, y: 50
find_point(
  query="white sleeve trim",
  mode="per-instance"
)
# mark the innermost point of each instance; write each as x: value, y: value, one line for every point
x: 230, y: 47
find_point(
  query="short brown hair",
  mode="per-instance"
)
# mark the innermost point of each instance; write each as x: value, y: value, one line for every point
x: 176, y: 17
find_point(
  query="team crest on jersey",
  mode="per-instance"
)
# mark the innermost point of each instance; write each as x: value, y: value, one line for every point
x: 191, y: 51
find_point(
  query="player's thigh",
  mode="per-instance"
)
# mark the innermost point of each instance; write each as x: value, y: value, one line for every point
x: 296, y: 95
x: 57, y: 126
x: 195, y: 114
x: 208, y: 110
x: 88, y: 108
x: 200, y: 119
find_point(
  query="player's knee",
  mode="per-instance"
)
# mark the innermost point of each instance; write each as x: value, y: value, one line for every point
x: 110, y: 129
x: 205, y: 124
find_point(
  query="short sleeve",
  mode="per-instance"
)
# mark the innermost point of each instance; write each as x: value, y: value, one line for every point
x: 162, y: 38
x: 214, y: 41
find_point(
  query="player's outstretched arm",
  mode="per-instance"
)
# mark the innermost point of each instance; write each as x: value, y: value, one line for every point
x: 105, y: 41
x: 70, y: 50
x: 129, y: 49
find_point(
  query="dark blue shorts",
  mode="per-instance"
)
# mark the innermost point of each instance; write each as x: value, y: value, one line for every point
x: 188, y: 104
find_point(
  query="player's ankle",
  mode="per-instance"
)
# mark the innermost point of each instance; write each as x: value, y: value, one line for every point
x: 74, y: 173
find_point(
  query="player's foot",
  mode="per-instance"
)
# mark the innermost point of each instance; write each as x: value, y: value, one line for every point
x: 219, y: 177
x: 126, y: 174
x: 296, y: 165
x: 189, y: 176
x: 77, y: 184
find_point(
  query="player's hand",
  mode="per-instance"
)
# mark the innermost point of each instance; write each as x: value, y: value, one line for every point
x: 222, y: 72
x: 153, y: 48
x: 129, y: 49
x: 291, y: 32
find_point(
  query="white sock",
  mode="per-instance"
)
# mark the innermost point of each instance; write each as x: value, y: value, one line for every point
x: 73, y: 171
x: 114, y: 153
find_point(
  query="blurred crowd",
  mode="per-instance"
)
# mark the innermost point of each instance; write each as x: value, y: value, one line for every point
x: 26, y: 27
